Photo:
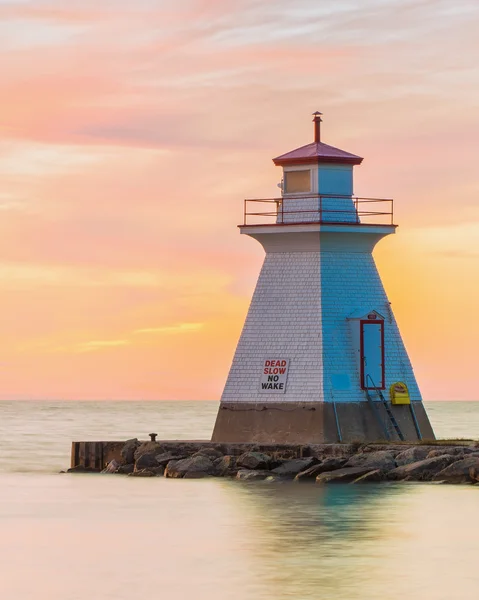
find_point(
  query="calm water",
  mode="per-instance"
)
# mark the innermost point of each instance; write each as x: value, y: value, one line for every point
x: 91, y: 537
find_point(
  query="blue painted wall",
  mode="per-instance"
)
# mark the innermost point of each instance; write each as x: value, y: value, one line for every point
x: 335, y: 179
x: 350, y: 282
x: 332, y: 180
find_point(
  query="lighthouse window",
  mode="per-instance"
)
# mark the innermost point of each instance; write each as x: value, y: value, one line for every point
x: 297, y: 181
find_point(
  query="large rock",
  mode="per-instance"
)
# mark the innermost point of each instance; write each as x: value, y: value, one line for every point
x: 142, y: 473
x: 382, y: 459
x: 193, y: 467
x: 254, y: 460
x: 164, y: 458
x: 329, y: 464
x: 412, y: 455
x: 225, y: 466
x: 342, y: 475
x: 147, y: 448
x: 371, y: 477
x: 126, y: 469
x: 112, y: 467
x: 211, y: 453
x: 454, y: 451
x: 461, y: 471
x: 146, y: 461
x: 290, y: 468
x: 332, y: 463
x: 252, y: 475
x: 422, y: 470
x: 310, y: 473
x: 196, y: 474
x: 128, y: 451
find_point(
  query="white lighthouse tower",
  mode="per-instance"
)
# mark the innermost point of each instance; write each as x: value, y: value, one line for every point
x: 320, y: 358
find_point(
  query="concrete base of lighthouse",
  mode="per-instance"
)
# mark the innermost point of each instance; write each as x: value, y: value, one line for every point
x: 315, y: 422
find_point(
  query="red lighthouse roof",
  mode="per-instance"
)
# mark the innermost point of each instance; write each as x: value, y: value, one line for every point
x: 317, y: 152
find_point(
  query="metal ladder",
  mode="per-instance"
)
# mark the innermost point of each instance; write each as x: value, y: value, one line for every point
x: 392, y: 425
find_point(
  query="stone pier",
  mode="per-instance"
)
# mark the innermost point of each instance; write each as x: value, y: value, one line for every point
x: 454, y: 461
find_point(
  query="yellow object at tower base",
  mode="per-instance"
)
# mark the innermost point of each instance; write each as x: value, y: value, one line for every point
x: 399, y: 393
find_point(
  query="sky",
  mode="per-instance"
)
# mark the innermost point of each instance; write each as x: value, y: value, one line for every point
x: 132, y: 130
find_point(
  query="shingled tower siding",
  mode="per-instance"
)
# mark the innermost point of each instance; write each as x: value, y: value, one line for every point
x: 300, y: 311
x: 350, y: 280
x: 284, y: 320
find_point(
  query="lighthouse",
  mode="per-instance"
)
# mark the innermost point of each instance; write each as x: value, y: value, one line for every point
x: 320, y: 358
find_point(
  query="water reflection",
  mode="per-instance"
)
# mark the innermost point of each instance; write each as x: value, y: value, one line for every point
x: 91, y: 537
x: 360, y: 542
x: 313, y: 538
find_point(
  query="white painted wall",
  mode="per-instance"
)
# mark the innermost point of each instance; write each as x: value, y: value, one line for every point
x: 296, y: 210
x: 284, y: 321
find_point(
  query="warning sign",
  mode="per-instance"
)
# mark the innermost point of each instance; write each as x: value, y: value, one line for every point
x: 274, y: 375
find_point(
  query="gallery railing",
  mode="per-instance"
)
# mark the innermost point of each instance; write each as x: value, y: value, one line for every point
x: 318, y: 209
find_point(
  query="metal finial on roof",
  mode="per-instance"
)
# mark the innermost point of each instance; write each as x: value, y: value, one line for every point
x: 317, y: 126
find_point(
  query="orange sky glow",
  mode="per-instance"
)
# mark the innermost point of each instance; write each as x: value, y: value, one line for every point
x: 131, y: 131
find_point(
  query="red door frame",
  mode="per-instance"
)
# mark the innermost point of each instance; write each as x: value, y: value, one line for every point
x: 361, y: 342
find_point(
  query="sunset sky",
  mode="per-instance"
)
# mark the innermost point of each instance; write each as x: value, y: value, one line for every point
x: 131, y: 131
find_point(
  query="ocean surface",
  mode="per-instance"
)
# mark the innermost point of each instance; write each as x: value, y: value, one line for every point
x: 100, y: 537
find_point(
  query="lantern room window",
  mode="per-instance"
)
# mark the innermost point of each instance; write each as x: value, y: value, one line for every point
x: 297, y: 181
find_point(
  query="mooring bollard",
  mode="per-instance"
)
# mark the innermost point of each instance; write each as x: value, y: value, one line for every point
x: 153, y: 436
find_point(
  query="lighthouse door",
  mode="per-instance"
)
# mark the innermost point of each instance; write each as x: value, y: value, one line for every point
x: 372, y: 354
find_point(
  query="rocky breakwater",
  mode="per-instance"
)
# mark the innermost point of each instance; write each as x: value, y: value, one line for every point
x: 323, y: 464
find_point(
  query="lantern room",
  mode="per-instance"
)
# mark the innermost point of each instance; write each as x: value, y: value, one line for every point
x: 317, y: 187
x: 320, y: 171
